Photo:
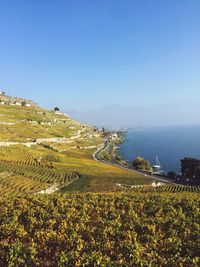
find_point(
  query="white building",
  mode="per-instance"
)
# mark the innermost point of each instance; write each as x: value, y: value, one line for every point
x: 17, y: 103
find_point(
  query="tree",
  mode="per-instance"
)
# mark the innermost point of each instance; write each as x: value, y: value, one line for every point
x: 23, y: 103
x: 56, y: 109
x: 141, y: 164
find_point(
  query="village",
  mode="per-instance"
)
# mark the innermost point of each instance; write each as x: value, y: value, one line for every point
x: 15, y: 101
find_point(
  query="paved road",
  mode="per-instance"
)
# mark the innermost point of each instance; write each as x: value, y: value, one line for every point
x: 96, y: 156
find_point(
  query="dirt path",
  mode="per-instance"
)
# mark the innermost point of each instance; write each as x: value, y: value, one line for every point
x: 41, y: 140
x: 55, y: 187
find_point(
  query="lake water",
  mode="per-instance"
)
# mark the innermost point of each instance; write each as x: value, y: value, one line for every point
x: 170, y: 144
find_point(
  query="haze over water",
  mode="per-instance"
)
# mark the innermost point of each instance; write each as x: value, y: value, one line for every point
x: 170, y: 144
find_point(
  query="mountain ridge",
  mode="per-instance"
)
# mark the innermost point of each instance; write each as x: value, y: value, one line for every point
x: 160, y: 115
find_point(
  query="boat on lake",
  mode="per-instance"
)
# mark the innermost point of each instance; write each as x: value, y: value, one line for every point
x: 157, y: 168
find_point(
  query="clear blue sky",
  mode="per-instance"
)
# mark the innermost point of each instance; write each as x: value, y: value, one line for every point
x: 80, y: 54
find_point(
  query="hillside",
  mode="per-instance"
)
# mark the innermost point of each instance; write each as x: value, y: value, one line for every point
x: 44, y: 155
x: 41, y: 149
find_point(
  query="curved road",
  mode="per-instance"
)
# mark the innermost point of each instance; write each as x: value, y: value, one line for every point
x: 96, y: 156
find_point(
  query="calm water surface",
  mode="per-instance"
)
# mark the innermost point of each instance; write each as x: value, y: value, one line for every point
x: 170, y: 144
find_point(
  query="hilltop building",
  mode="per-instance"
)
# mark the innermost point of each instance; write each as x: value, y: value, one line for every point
x: 15, y: 101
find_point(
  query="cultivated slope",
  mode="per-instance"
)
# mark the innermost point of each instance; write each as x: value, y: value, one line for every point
x: 41, y: 149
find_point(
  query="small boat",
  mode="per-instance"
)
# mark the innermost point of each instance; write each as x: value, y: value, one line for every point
x: 157, y: 168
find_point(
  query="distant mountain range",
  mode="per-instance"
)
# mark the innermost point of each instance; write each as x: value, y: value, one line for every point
x: 115, y: 116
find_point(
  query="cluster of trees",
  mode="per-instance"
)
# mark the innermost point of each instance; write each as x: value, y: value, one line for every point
x: 140, y: 163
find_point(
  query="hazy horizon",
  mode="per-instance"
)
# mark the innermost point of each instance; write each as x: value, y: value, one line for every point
x: 85, y: 55
x: 115, y: 116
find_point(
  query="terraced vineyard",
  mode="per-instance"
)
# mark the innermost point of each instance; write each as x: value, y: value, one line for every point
x: 22, y: 123
x: 164, y: 188
x: 21, y: 172
x: 19, y: 154
x: 143, y: 226
x: 121, y: 229
x: 18, y: 185
x: 28, y: 124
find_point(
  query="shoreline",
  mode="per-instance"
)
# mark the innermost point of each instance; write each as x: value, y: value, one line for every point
x: 171, y: 176
x: 164, y: 174
x: 114, y: 162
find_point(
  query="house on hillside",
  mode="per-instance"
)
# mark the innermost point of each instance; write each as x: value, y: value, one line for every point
x: 58, y: 112
x: 17, y: 103
x: 2, y: 102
